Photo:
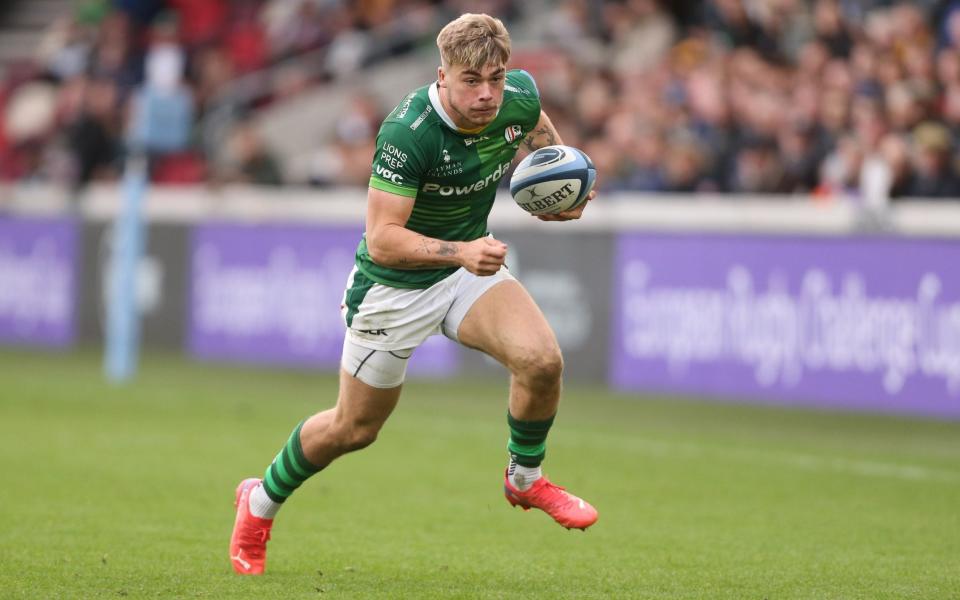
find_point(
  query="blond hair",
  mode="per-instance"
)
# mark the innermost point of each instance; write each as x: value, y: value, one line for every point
x: 474, y: 40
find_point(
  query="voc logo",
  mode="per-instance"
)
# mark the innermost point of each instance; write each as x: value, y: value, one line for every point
x: 389, y: 175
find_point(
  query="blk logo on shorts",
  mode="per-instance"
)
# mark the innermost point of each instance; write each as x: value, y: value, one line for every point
x: 373, y: 331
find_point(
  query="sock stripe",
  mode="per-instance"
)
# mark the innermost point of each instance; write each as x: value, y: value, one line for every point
x: 530, y: 426
x: 271, y: 491
x: 294, y: 466
x: 289, y: 469
x: 277, y: 482
x: 277, y: 492
x: 297, y: 458
x: 271, y: 482
x: 528, y: 440
x: 527, y: 450
x: 296, y: 471
x: 286, y: 477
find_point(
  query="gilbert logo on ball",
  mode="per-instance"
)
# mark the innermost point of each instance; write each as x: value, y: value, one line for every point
x: 553, y: 180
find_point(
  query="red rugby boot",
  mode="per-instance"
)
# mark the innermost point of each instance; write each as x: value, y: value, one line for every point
x: 565, y: 508
x: 248, y: 544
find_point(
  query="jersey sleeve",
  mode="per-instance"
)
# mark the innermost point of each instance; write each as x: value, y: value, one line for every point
x: 399, y: 162
x: 522, y: 82
x: 523, y: 90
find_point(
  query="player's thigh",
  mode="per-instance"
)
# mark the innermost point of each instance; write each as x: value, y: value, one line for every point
x: 362, y: 405
x: 508, y: 325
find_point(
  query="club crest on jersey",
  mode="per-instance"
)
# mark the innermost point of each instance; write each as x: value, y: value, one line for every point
x: 513, y: 132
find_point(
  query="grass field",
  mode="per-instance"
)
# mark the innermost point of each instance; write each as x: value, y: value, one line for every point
x: 126, y: 492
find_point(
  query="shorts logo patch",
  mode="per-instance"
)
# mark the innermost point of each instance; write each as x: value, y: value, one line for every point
x: 513, y: 132
x: 372, y: 331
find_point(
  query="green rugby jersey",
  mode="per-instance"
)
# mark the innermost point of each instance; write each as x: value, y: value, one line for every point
x: 451, y: 175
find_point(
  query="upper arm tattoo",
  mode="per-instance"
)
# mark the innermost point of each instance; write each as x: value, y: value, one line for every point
x: 540, y: 138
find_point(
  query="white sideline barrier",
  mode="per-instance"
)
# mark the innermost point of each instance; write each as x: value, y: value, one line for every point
x: 610, y: 212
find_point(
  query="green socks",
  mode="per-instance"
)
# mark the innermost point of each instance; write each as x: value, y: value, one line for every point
x: 527, y: 445
x: 288, y: 470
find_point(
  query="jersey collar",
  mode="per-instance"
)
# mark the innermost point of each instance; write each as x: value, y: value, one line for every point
x: 434, y: 96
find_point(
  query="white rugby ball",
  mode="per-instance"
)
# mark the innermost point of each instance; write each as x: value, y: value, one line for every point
x: 552, y: 180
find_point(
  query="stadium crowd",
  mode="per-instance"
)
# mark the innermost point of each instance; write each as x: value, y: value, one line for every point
x: 857, y: 99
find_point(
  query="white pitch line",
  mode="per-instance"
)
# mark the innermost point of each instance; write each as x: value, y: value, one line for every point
x: 866, y: 468
x: 808, y: 462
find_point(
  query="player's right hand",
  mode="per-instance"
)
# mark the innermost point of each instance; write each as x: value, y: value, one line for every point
x: 483, y: 256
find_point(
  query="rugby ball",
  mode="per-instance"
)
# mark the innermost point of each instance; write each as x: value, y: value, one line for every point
x: 552, y: 180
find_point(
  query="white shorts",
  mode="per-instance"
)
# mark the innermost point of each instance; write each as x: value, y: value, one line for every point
x: 389, y: 318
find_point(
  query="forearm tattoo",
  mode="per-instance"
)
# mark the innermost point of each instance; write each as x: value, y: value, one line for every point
x: 437, y: 247
x: 540, y: 138
x: 447, y: 249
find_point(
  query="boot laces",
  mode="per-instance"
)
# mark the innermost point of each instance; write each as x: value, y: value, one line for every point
x: 253, y: 540
x: 555, y: 496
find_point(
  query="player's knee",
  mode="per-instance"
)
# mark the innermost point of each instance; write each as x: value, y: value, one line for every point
x: 543, y: 366
x: 357, y: 437
x: 360, y: 439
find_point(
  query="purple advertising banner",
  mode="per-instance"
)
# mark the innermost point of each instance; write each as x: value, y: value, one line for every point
x: 857, y: 323
x: 271, y: 294
x: 37, y: 281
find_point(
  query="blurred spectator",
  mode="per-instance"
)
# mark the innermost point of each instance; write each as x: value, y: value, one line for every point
x: 114, y: 56
x: 933, y: 173
x: 644, y: 172
x: 885, y: 172
x: 757, y: 170
x: 849, y: 99
x: 30, y: 112
x: 245, y: 39
x: 831, y: 30
x: 248, y: 160
x: 65, y: 49
x: 203, y: 20
x: 28, y: 123
x: 840, y: 171
x: 347, y: 160
x: 683, y: 166
x: 93, y: 136
x: 800, y: 158
x: 293, y: 26
x: 895, y: 155
x: 161, y: 112
x: 640, y: 32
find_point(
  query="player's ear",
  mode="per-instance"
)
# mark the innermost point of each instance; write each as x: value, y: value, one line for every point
x: 441, y: 77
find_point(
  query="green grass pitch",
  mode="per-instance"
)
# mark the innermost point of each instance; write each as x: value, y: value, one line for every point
x: 126, y: 492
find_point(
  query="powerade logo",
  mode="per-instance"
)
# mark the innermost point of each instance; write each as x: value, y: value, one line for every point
x: 476, y: 186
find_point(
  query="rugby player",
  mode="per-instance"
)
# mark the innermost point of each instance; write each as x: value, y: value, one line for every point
x: 428, y: 265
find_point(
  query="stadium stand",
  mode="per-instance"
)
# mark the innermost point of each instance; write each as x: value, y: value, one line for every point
x: 833, y: 98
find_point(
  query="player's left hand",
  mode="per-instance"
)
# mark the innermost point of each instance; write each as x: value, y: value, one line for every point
x: 570, y: 215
